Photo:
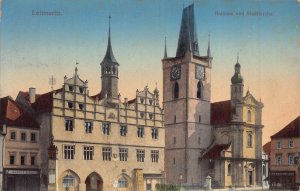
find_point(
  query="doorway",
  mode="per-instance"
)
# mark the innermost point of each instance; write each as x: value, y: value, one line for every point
x: 250, y: 177
x: 94, y: 182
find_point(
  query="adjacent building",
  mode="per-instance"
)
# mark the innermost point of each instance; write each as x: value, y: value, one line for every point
x: 101, y: 141
x: 20, y: 148
x: 284, y: 157
x: 222, y: 140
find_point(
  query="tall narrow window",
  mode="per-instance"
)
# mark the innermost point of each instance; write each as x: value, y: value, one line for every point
x: 88, y: 153
x: 123, y: 154
x: 69, y: 151
x: 123, y: 130
x: 22, y: 160
x: 106, y: 153
x: 199, y: 89
x: 106, y: 128
x: 88, y: 127
x: 69, y: 124
x: 249, y: 140
x: 140, y: 131
x: 229, y: 170
x: 154, y: 156
x: 249, y: 116
x: 176, y: 90
x: 140, y: 155
x: 154, y: 133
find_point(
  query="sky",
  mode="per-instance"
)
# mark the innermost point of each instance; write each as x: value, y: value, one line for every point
x: 35, y: 47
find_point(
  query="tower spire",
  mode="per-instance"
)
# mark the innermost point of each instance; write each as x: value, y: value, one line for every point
x: 109, y: 56
x: 165, y: 54
x: 188, y: 33
x: 208, y: 47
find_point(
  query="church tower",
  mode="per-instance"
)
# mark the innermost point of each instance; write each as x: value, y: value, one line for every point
x: 237, y: 86
x: 187, y: 95
x: 109, y: 72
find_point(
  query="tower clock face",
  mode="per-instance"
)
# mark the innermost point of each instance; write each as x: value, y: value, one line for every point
x: 200, y: 72
x: 175, y: 72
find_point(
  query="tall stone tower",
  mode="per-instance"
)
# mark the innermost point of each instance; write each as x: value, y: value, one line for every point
x: 237, y: 86
x: 109, y: 72
x: 187, y: 94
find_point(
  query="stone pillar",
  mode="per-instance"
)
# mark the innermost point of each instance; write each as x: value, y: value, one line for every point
x: 82, y: 187
x: 52, y: 166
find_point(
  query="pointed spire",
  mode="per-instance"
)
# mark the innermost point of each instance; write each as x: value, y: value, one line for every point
x: 188, y: 33
x: 109, y: 56
x: 166, y: 54
x: 208, y: 47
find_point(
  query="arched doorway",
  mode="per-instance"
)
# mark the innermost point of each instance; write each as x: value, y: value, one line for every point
x: 94, y: 182
x: 69, y: 181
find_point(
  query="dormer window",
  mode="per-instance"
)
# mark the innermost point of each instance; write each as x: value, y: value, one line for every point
x: 291, y: 144
x: 71, y: 88
x: 81, y: 89
x: 150, y: 101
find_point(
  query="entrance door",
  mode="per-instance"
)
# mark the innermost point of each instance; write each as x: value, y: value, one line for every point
x: 11, y: 184
x: 94, y: 182
x: 250, y: 178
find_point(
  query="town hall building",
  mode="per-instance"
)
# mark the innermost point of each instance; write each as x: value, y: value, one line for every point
x: 99, y: 142
x: 222, y: 140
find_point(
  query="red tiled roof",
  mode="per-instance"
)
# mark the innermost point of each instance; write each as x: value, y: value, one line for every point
x: 215, y: 151
x: 267, y: 148
x: 291, y: 130
x: 43, y: 102
x: 13, y: 115
x: 221, y: 112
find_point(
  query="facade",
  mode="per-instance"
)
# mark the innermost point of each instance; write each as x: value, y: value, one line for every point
x: 284, y: 157
x: 222, y: 140
x: 21, y: 151
x: 266, y: 164
x: 102, y: 143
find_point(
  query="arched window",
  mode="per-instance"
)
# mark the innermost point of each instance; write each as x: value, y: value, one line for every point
x: 68, y: 181
x: 249, y: 140
x: 229, y: 169
x: 249, y: 116
x: 199, y: 89
x: 176, y: 90
x: 122, y: 182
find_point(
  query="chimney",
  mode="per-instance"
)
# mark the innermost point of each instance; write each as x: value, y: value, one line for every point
x: 31, y: 95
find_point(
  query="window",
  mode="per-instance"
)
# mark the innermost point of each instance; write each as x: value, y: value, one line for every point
x: 151, y: 115
x: 176, y: 91
x: 142, y: 114
x: 249, y: 140
x: 81, y: 89
x: 123, y: 153
x: 264, y: 170
x: 249, y: 116
x: 23, y: 136
x: 80, y: 105
x: 22, y: 160
x: 71, y: 88
x: 199, y: 119
x: 32, y: 160
x: 291, y: 157
x: 70, y: 105
x: 123, y: 130
x: 154, y: 156
x: 69, y: 151
x: 291, y: 144
x: 229, y: 170
x: 142, y: 100
x: 12, y: 135
x: 88, y: 153
x: 33, y: 137
x: 68, y: 181
x: 211, y: 164
x: 199, y: 89
x: 174, y: 162
x: 278, y: 158
x: 278, y: 145
x: 122, y: 182
x: 88, y: 127
x: 174, y: 140
x: 106, y: 153
x: 140, y: 131
x: 154, y: 133
x: 106, y: 128
x: 199, y: 140
x: 12, y: 159
x: 69, y: 124
x: 140, y: 155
